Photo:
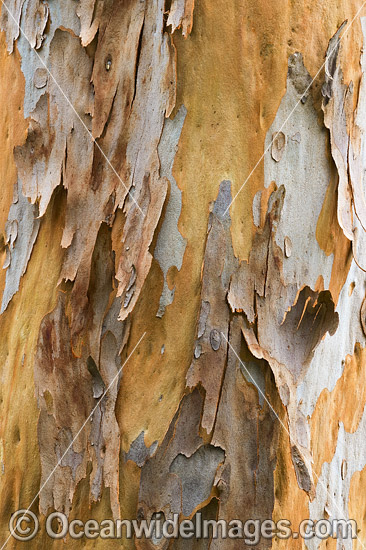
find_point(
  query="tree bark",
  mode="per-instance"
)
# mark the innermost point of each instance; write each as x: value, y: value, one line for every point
x: 183, y: 237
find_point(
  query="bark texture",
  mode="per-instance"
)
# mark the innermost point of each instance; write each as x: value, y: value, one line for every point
x: 132, y: 235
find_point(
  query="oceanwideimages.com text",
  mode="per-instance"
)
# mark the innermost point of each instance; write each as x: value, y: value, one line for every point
x: 24, y: 525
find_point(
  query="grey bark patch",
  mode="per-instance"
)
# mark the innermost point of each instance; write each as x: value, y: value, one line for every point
x: 222, y: 211
x: 205, y: 310
x: 256, y: 209
x: 170, y: 245
x: 223, y: 201
x: 207, y: 513
x: 331, y: 63
x: 197, y: 475
x: 71, y: 458
x: 302, y: 429
x: 197, y: 351
x: 278, y: 146
x: 60, y: 14
x: 35, y: 18
x: 302, y: 474
x: 344, y: 469
x: 138, y: 451
x: 130, y: 290
x: 161, y: 489
x: 23, y: 227
x: 215, y: 339
x: 284, y: 394
x: 40, y: 78
x: 287, y: 247
x: 112, y: 324
x: 254, y: 375
x: 299, y: 75
x: 98, y: 384
x: 305, y: 173
x: 305, y: 324
x: 359, y: 244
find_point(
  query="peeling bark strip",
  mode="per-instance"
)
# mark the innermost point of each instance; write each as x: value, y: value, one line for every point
x: 22, y: 219
x: 107, y: 102
x: 210, y: 350
x: 283, y: 334
x: 346, y: 131
x: 181, y: 15
x: 200, y: 459
x: 69, y: 387
x: 170, y: 245
x: 121, y: 98
x: 283, y: 321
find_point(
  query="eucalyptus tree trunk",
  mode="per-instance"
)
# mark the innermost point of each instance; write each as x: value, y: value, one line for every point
x: 183, y: 245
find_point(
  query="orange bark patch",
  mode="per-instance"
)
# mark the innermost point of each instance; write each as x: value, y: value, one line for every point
x: 357, y: 507
x: 12, y: 133
x: 344, y: 404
